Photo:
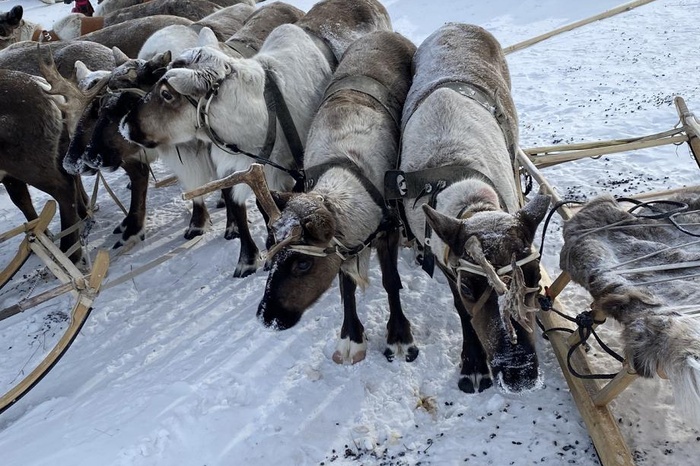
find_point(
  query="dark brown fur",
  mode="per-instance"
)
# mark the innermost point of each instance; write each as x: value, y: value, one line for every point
x: 32, y: 136
x: 130, y: 35
x: 191, y: 9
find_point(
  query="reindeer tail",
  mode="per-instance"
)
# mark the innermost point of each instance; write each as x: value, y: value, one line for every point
x: 668, y: 343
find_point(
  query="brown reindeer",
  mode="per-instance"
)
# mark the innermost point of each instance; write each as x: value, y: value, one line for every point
x: 24, y: 56
x: 13, y: 28
x: 130, y: 36
x: 33, y: 136
x: 108, y: 6
x: 327, y: 231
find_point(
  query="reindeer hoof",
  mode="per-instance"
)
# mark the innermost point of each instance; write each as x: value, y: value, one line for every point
x: 220, y: 204
x: 389, y: 354
x: 485, y: 384
x: 243, y: 270
x: 350, y: 352
x: 119, y: 229
x: 466, y: 385
x: 231, y: 233
x: 192, y: 232
x: 411, y: 353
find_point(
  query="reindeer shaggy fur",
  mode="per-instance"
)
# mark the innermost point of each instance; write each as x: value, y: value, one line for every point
x: 130, y: 36
x: 442, y: 128
x: 167, y: 116
x: 349, y: 126
x: 191, y: 9
x: 32, y: 137
x: 108, y: 6
x: 24, y: 57
x: 656, y: 336
x: 227, y: 21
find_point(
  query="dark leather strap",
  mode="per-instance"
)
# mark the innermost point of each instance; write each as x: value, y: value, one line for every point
x: 325, y: 49
x: 245, y: 50
x: 372, y: 88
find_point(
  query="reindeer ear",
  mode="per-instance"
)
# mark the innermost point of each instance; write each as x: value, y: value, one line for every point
x: 532, y: 214
x: 447, y: 228
x: 81, y: 71
x: 14, y: 16
x: 119, y: 57
x: 207, y: 38
x: 186, y: 81
x: 161, y: 60
x: 281, y: 198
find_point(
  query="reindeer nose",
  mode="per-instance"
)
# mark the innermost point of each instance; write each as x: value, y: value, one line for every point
x: 518, y: 374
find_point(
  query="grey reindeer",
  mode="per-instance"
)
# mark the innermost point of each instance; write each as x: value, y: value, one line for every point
x: 329, y: 230
x: 459, y: 139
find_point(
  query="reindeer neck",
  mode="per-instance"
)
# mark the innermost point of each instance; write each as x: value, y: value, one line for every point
x: 357, y: 214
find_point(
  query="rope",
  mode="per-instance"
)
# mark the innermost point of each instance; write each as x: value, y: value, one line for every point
x: 584, y: 327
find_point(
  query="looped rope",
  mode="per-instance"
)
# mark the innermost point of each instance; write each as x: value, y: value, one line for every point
x: 585, y: 323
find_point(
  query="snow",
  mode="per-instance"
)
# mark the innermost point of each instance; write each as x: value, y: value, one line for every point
x: 173, y: 368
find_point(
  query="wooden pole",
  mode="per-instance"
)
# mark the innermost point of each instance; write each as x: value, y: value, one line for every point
x: 577, y: 24
x: 544, y: 161
x: 692, y: 127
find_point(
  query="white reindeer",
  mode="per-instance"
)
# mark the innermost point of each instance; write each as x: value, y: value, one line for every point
x: 233, y: 93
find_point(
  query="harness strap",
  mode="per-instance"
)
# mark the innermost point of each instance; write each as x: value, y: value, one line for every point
x: 244, y: 49
x: 285, y: 118
x: 325, y: 49
x: 371, y: 87
x: 313, y: 174
x: 274, y: 101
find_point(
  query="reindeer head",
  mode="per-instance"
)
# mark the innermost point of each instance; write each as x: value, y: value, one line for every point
x: 498, y: 280
x: 168, y: 113
x: 299, y: 269
x: 9, y: 22
x: 97, y: 142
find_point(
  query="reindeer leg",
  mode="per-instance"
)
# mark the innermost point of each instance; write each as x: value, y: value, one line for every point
x: 352, y: 346
x: 250, y: 255
x: 199, y: 220
x: 19, y: 194
x: 232, y: 229
x: 475, y: 373
x: 133, y: 225
x: 399, y: 338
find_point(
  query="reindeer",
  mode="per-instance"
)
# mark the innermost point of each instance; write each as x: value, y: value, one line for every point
x: 353, y: 140
x: 13, y: 28
x: 458, y: 148
x: 290, y: 64
x: 33, y: 135
x: 24, y: 56
x: 191, y: 9
x: 130, y: 36
x: 107, y: 6
x: 98, y: 144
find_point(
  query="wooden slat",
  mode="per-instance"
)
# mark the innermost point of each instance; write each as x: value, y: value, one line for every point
x: 692, y: 127
x: 602, y: 426
x: 577, y: 24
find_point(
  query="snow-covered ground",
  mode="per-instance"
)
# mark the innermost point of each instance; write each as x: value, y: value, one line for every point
x: 172, y: 368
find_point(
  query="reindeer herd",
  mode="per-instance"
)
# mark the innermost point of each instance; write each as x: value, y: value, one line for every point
x: 366, y: 142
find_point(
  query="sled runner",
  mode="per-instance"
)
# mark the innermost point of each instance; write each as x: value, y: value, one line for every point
x: 84, y: 287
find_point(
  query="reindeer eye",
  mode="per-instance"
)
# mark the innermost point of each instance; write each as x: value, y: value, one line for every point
x: 303, y: 265
x: 166, y: 95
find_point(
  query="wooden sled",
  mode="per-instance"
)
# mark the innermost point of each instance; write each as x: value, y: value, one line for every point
x: 591, y: 398
x: 84, y: 288
x: 30, y: 229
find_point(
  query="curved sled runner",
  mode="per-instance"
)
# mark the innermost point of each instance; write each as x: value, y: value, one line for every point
x: 30, y: 229
x: 78, y: 315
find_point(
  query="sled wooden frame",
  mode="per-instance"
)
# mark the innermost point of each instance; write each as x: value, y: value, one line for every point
x: 591, y: 399
x: 84, y: 288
